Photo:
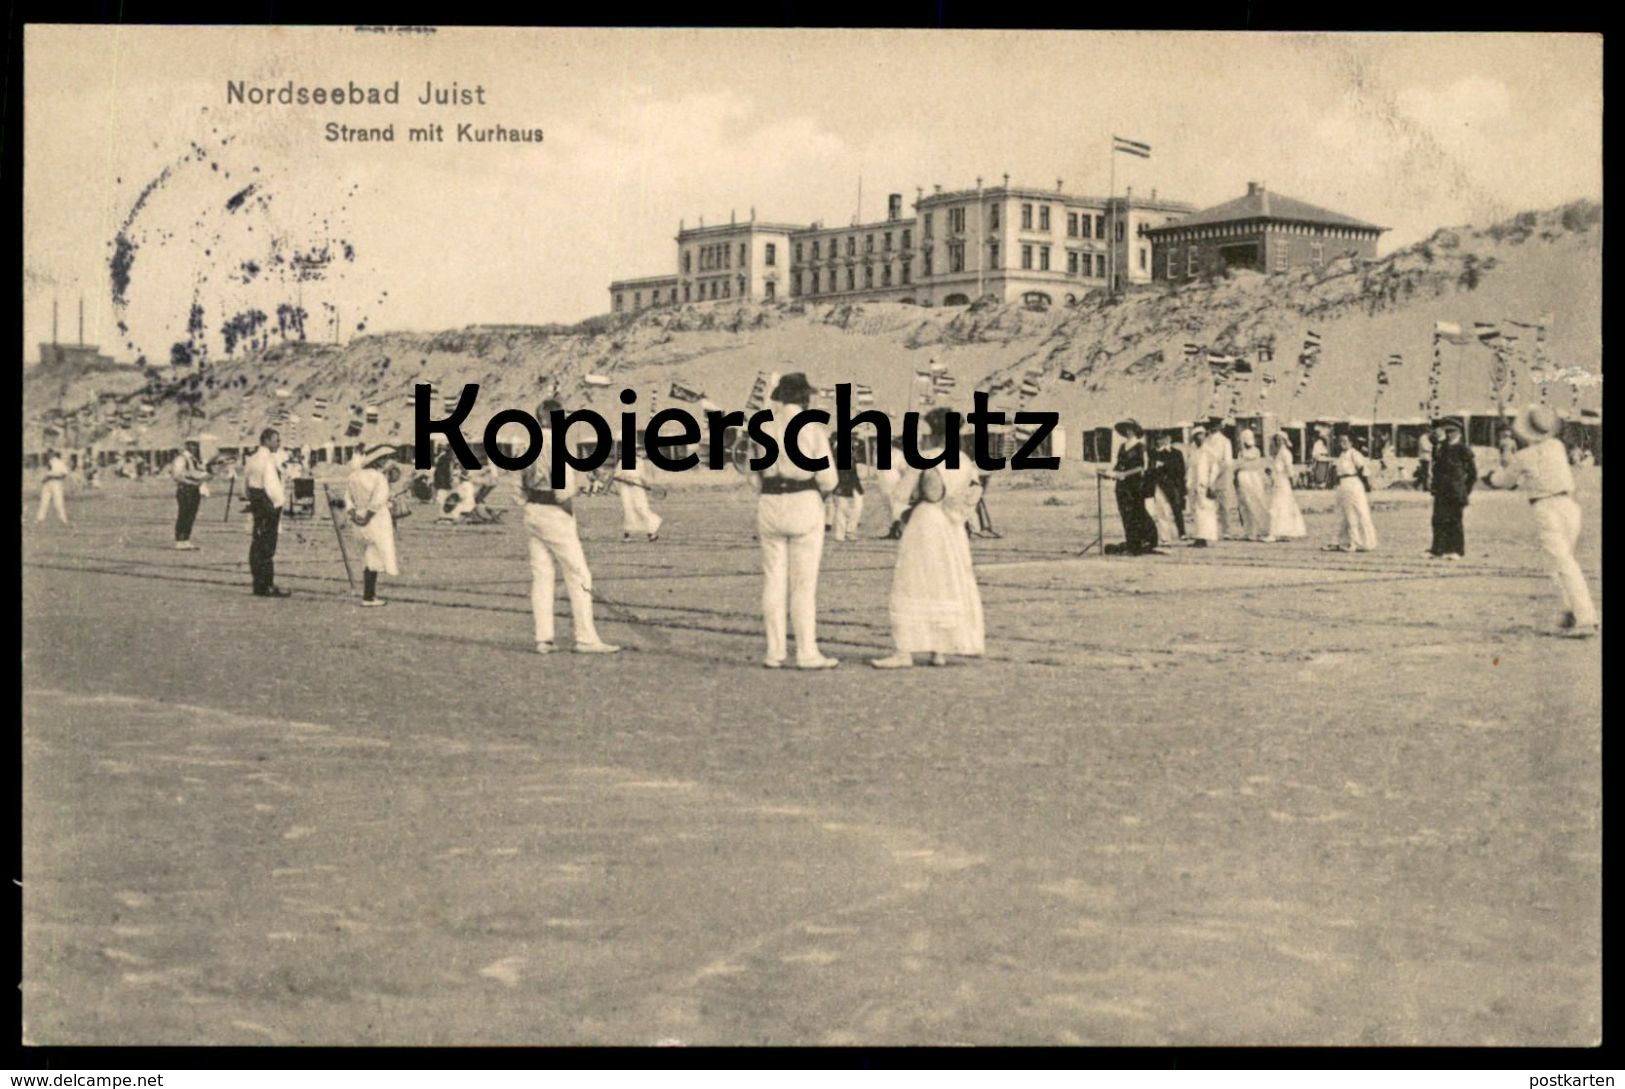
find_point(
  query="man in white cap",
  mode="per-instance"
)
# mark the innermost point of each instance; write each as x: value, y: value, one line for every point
x: 367, y: 497
x: 189, y: 474
x: 51, y: 491
x: 550, y: 525
x: 1540, y: 470
x: 790, y: 526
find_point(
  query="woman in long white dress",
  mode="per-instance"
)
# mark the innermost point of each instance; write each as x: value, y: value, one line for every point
x: 1250, y: 491
x: 1355, y: 530
x: 936, y: 607
x: 367, y: 497
x: 1286, y: 520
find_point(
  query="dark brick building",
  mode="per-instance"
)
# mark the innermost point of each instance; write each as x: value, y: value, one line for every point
x: 1263, y: 231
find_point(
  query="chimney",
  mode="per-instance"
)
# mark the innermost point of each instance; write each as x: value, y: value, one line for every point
x: 732, y: 217
x: 753, y: 213
x: 938, y: 188
x: 1254, y: 188
x: 894, y: 206
x: 1059, y: 184
x: 978, y: 183
x: 1153, y: 192
x: 1007, y: 181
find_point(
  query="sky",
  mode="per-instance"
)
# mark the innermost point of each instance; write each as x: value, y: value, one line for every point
x: 643, y: 129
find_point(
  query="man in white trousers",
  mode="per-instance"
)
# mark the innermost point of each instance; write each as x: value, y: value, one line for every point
x: 51, y: 490
x: 550, y: 527
x: 790, y: 526
x: 1540, y: 471
x: 637, y: 516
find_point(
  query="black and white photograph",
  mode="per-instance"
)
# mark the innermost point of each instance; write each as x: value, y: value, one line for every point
x: 847, y: 538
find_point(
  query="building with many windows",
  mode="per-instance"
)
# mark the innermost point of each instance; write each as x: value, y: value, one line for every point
x: 1263, y: 231
x: 1039, y: 246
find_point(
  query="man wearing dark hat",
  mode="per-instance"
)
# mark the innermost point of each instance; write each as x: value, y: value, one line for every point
x: 790, y: 526
x: 1134, y: 487
x: 550, y: 526
x: 1454, y: 471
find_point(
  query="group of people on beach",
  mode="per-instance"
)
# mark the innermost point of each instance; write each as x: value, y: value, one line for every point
x: 935, y: 606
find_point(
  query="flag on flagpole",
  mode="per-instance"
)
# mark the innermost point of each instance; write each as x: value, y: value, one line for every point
x: 1486, y: 331
x: 1068, y: 376
x: 680, y: 392
x: 1396, y: 360
x: 1131, y: 147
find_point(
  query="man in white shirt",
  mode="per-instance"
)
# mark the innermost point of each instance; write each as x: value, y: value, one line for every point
x: 550, y: 526
x: 189, y: 474
x: 1540, y: 470
x: 790, y: 526
x: 51, y: 490
x: 262, y: 480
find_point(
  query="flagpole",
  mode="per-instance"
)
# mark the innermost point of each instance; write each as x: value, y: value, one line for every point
x: 1111, y: 223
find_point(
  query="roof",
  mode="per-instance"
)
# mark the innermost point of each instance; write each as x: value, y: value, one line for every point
x: 1260, y: 203
x: 644, y: 281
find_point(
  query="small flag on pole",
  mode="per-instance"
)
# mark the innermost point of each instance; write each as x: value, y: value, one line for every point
x: 1131, y: 147
x: 372, y: 414
x: 1486, y: 331
x: 680, y: 392
x: 1068, y: 376
x: 1396, y: 360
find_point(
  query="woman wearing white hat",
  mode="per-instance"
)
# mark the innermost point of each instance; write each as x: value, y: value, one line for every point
x: 936, y: 608
x: 1356, y: 532
x: 367, y: 497
x: 1540, y: 470
x: 1286, y: 520
x: 1254, y: 500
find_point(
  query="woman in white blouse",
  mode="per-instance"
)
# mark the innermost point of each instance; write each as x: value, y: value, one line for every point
x: 1355, y: 531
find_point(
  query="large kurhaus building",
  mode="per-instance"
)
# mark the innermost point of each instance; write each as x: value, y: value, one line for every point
x: 1040, y: 246
x: 1263, y: 231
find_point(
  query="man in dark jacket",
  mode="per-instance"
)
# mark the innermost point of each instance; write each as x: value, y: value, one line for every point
x: 1168, y: 473
x: 1454, y: 472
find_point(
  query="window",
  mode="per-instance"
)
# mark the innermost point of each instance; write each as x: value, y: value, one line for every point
x: 1282, y: 263
x: 928, y: 224
x: 1100, y: 266
x: 1145, y: 259
x: 744, y: 258
x: 851, y: 280
x: 815, y: 249
x: 993, y: 255
x: 956, y: 221
x: 1119, y: 225
x: 851, y: 245
x: 885, y: 276
x: 727, y: 289
x: 1190, y: 261
x: 868, y: 243
x: 742, y: 291
x: 1072, y: 261
x: 956, y: 257
x: 674, y: 294
x: 1173, y: 269
x: 768, y: 289
x: 888, y: 241
x: 1026, y: 217
x: 908, y: 238
x: 617, y: 300
x: 1026, y: 257
x: 686, y: 269
x: 769, y: 259
x: 798, y: 253
x: 906, y: 273
x: 1072, y: 225
x: 1043, y: 217
x: 868, y: 276
x: 1083, y: 226
x: 993, y: 217
x: 1317, y: 253
x: 1100, y: 226
x: 1043, y: 258
x: 637, y: 300
x: 685, y: 293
